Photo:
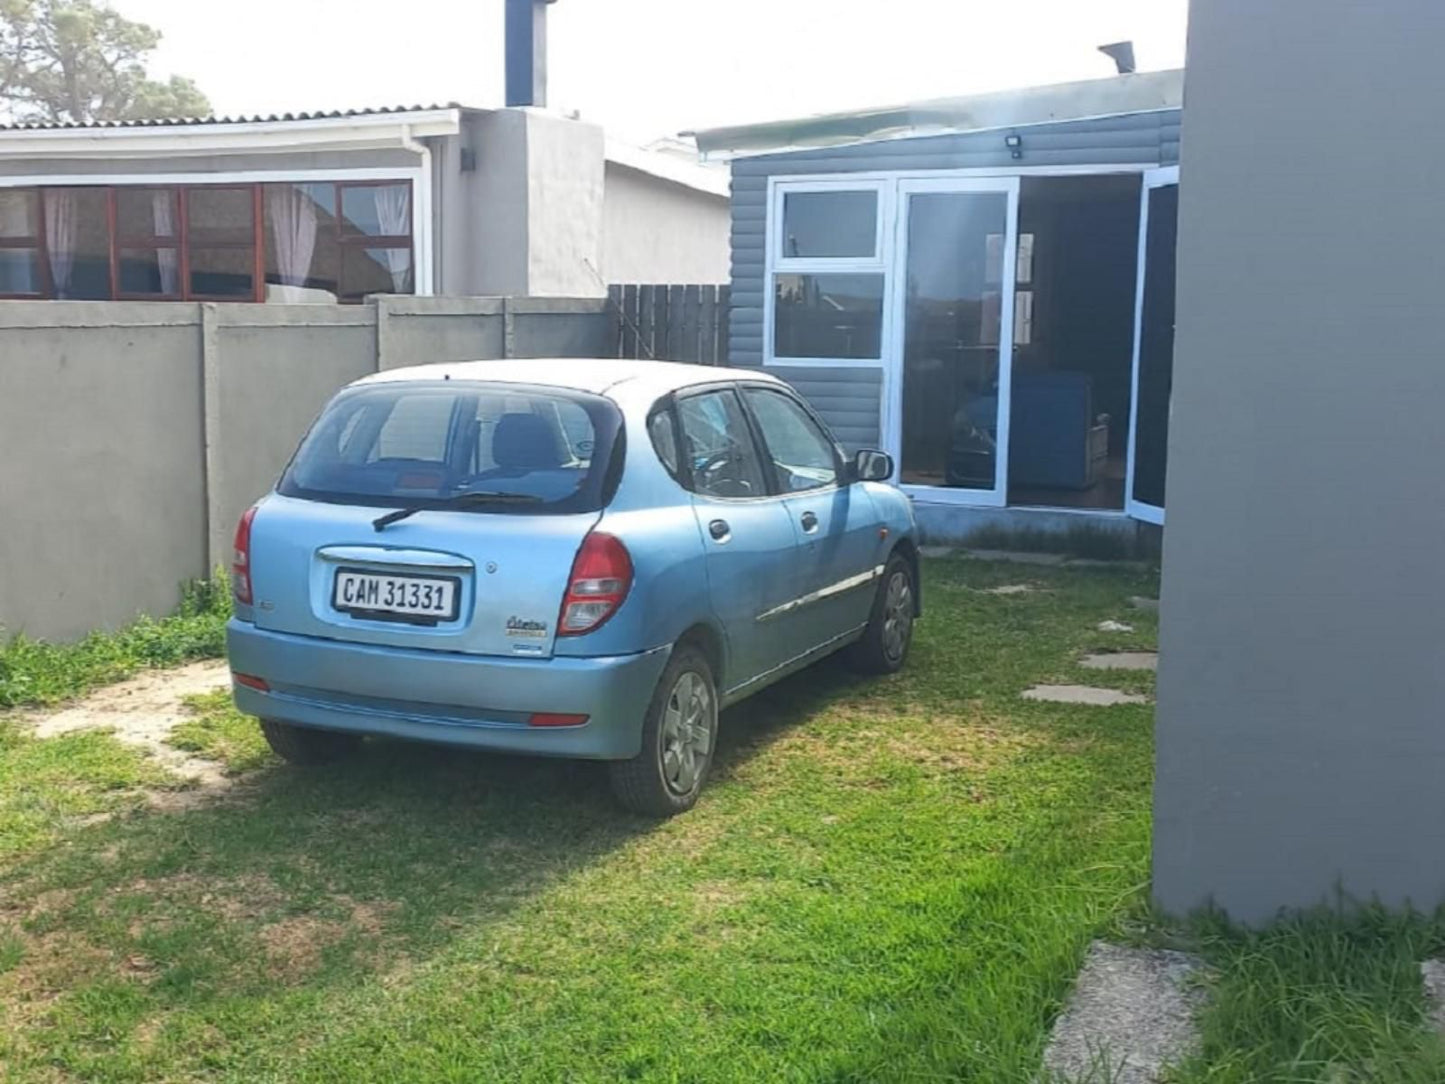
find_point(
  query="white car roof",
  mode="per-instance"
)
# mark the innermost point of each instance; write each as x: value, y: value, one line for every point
x: 596, y: 375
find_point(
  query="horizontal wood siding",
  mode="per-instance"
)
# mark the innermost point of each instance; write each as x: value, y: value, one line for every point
x: 1134, y: 139
x: 847, y: 398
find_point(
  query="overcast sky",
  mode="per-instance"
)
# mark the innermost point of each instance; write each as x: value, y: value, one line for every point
x: 647, y: 68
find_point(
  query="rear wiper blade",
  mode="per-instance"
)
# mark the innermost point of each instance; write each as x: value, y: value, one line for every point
x: 461, y: 500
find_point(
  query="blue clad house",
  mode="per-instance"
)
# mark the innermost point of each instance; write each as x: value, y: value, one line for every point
x: 981, y: 286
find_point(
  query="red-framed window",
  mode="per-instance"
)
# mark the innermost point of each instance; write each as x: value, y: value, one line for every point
x: 361, y: 242
x: 22, y: 244
x: 317, y: 241
x: 145, y: 242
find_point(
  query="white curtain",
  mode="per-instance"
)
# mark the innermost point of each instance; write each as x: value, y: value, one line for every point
x: 393, y: 205
x: 293, y: 226
x: 166, y: 258
x: 60, y: 210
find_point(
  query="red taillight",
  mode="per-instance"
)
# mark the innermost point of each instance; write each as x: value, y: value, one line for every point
x: 251, y: 681
x: 241, y: 562
x: 601, y: 577
x: 553, y: 718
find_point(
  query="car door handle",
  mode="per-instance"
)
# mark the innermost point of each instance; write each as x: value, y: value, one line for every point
x: 719, y: 529
x: 810, y: 522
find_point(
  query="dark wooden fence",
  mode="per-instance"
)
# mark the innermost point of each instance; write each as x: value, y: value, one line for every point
x: 670, y: 323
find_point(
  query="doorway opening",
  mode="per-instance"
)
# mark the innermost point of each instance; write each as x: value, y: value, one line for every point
x: 1074, y: 302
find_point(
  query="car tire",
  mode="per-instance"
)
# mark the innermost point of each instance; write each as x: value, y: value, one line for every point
x: 679, y: 734
x: 883, y: 647
x: 305, y: 746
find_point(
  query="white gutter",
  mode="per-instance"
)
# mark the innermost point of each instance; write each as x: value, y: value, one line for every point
x: 364, y: 131
x: 424, y: 240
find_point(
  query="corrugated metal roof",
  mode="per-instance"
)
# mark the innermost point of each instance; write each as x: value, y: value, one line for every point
x: 182, y: 122
x: 1133, y: 93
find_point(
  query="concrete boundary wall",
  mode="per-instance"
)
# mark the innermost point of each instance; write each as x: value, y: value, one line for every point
x: 133, y: 434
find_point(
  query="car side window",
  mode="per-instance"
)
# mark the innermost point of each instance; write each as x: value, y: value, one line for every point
x: 663, y: 431
x: 718, y: 454
x: 800, y: 454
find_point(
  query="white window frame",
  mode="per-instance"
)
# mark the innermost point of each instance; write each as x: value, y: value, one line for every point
x: 995, y: 496
x: 888, y: 183
x: 1163, y: 177
x: 775, y: 263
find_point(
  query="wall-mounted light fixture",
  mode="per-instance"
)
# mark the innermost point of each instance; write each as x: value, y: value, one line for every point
x: 1015, y: 143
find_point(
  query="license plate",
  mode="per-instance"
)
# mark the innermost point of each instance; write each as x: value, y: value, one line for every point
x: 423, y: 600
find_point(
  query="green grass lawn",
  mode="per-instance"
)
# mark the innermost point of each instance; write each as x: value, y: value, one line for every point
x: 886, y: 880
x: 1326, y: 996
x: 34, y: 672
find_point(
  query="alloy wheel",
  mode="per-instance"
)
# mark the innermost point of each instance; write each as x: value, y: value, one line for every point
x: 688, y: 722
x: 897, y: 615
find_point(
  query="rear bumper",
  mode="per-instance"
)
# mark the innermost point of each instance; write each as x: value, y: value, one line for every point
x: 433, y: 696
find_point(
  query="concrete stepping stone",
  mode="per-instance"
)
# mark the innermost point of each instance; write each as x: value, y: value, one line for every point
x: 1139, y: 602
x: 1082, y: 694
x: 1130, y: 1016
x: 1008, y: 589
x: 1432, y: 974
x: 1114, y: 626
x: 1121, y: 660
x: 935, y: 551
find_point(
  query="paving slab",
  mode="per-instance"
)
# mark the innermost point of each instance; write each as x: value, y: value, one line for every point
x: 1121, y: 660
x: 1114, y: 626
x: 1131, y: 1015
x: 1139, y: 602
x: 1432, y: 974
x: 936, y: 551
x: 1020, y: 557
x: 1082, y: 694
x: 1008, y: 589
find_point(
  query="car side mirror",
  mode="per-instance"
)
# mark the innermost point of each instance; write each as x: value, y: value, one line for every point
x: 871, y: 465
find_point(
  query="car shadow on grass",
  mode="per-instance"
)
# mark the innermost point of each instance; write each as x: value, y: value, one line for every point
x: 307, y: 880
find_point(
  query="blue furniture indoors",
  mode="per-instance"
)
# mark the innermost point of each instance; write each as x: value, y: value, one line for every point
x: 1056, y: 441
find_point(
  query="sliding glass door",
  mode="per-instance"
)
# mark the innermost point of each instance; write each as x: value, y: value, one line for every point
x: 1153, y: 346
x: 950, y: 365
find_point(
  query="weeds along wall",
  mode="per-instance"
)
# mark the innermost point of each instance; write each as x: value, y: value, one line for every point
x: 132, y: 435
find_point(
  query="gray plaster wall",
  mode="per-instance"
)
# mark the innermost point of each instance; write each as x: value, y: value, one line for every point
x: 102, y: 495
x: 133, y: 435
x: 528, y: 219
x: 654, y: 230
x: 485, y: 220
x: 1301, y: 743
x: 564, y: 207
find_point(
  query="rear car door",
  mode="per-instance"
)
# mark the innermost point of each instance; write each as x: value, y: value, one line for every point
x: 752, y: 552
x: 836, y: 524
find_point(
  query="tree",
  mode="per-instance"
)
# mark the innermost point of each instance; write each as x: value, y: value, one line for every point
x: 82, y: 61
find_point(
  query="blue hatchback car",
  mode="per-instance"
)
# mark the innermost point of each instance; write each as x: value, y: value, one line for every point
x: 575, y: 558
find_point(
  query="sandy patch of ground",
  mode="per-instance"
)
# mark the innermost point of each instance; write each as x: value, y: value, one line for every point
x: 142, y: 712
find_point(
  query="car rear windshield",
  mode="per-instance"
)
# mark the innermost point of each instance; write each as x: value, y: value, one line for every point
x: 428, y: 445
